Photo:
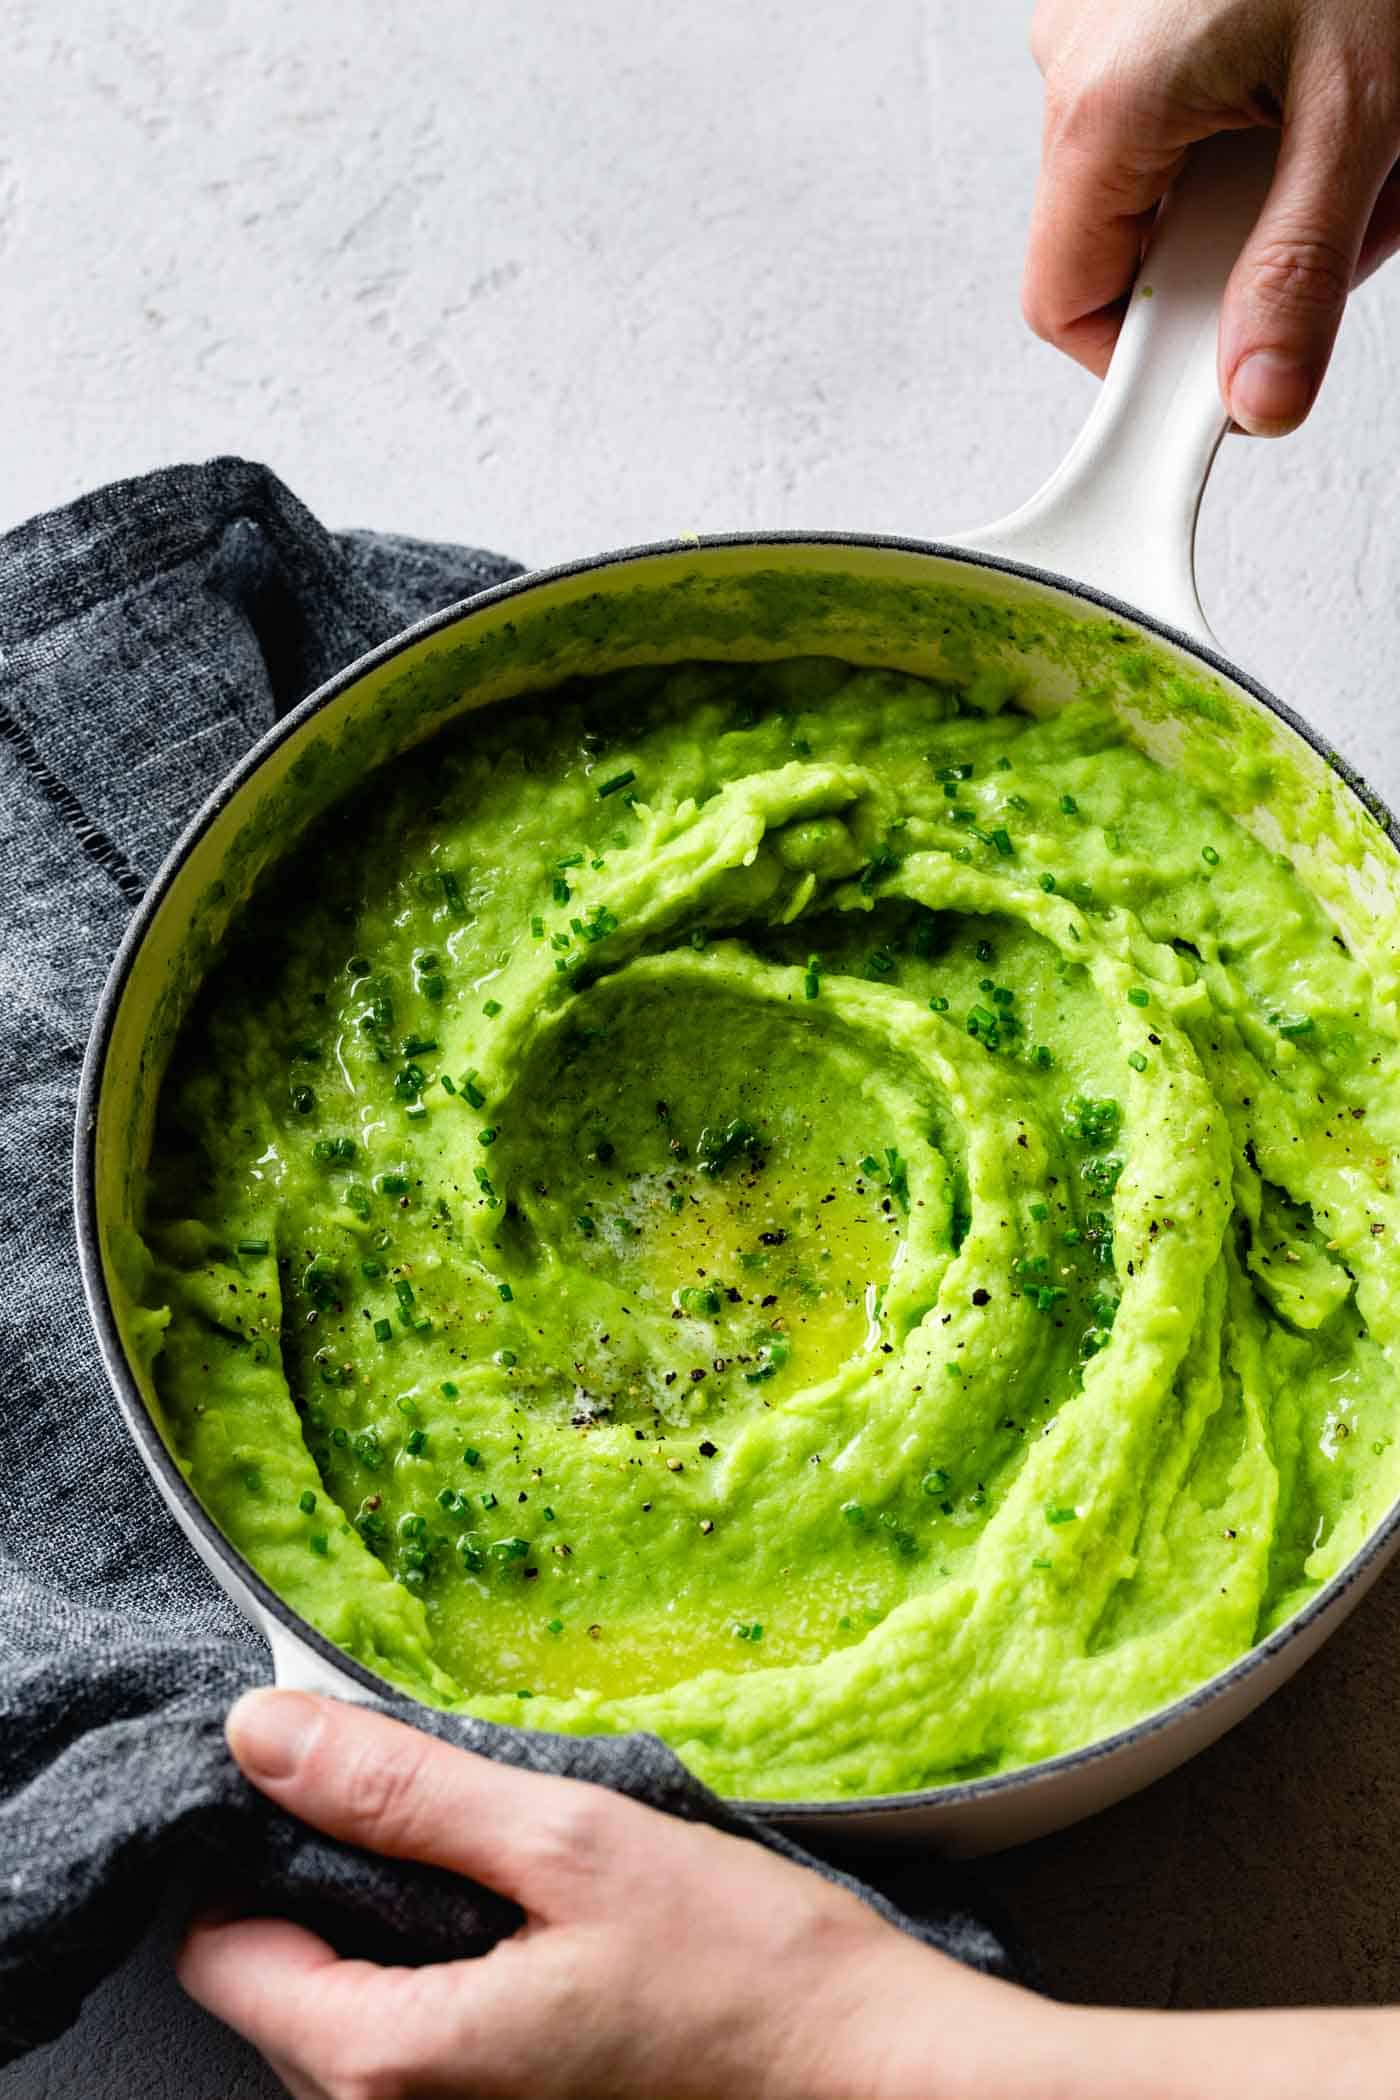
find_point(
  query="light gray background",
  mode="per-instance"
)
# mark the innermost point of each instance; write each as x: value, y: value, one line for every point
x: 559, y: 277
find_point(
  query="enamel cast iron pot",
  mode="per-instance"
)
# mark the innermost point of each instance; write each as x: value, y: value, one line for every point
x: 1106, y: 546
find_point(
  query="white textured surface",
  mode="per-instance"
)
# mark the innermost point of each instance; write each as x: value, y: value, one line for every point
x: 560, y: 277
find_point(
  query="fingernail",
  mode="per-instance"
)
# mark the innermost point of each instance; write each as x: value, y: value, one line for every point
x: 1270, y: 393
x: 270, y: 1732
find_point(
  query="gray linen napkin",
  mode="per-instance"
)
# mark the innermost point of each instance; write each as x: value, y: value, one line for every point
x: 148, y: 633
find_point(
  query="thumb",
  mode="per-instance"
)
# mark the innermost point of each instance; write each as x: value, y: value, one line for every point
x: 388, y: 1788
x: 1286, y: 294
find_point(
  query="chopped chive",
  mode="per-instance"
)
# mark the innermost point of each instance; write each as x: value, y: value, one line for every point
x: 1040, y: 1212
x: 950, y: 789
x: 306, y: 1503
x: 488, y: 1500
x: 938, y: 1004
x: 471, y: 1456
x: 383, y: 1331
x: 562, y: 892
x: 415, y: 1443
x: 486, y: 1137
x: 811, y: 983
x: 451, y: 888
x: 1047, y: 883
x: 319, y: 1543
x: 491, y: 1009
x: 585, y: 1225
x: 1060, y: 1514
x: 1299, y: 1024
x: 303, y: 1099
x: 935, y: 1483
x: 507, y: 1359
x: 1137, y: 1060
x: 403, y: 1291
x: 1137, y: 996
x: 338, y: 1151
x: 984, y: 951
x: 471, y: 1092
x: 1210, y: 856
x: 548, y: 1514
x: 619, y: 780
x: 253, y: 1246
x: 569, y: 860
x: 393, y: 1184
x: 448, y: 1086
x: 1001, y: 839
x: 433, y: 986
x: 1112, y: 841
x: 699, y: 938
x: 853, y: 1512
x: 1069, y: 805
x: 504, y: 1293
x: 1042, y: 1057
x: 554, y: 1626
x: 537, y: 927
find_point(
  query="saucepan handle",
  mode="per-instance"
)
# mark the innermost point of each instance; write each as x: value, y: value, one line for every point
x: 298, y: 1668
x: 1119, y: 513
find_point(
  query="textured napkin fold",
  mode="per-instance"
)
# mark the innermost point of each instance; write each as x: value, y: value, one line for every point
x: 148, y: 633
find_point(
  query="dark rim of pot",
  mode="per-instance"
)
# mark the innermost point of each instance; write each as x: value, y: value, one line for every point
x: 1375, y: 1549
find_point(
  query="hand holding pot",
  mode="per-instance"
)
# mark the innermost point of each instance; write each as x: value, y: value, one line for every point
x: 1131, y: 85
x: 660, y: 1960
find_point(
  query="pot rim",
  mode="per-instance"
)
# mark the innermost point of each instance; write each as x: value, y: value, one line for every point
x: 1377, y: 1546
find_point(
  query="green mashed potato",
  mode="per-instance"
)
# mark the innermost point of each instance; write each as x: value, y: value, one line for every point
x: 797, y: 1208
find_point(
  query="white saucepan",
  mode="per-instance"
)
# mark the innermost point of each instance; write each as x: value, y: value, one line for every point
x: 1108, y: 542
